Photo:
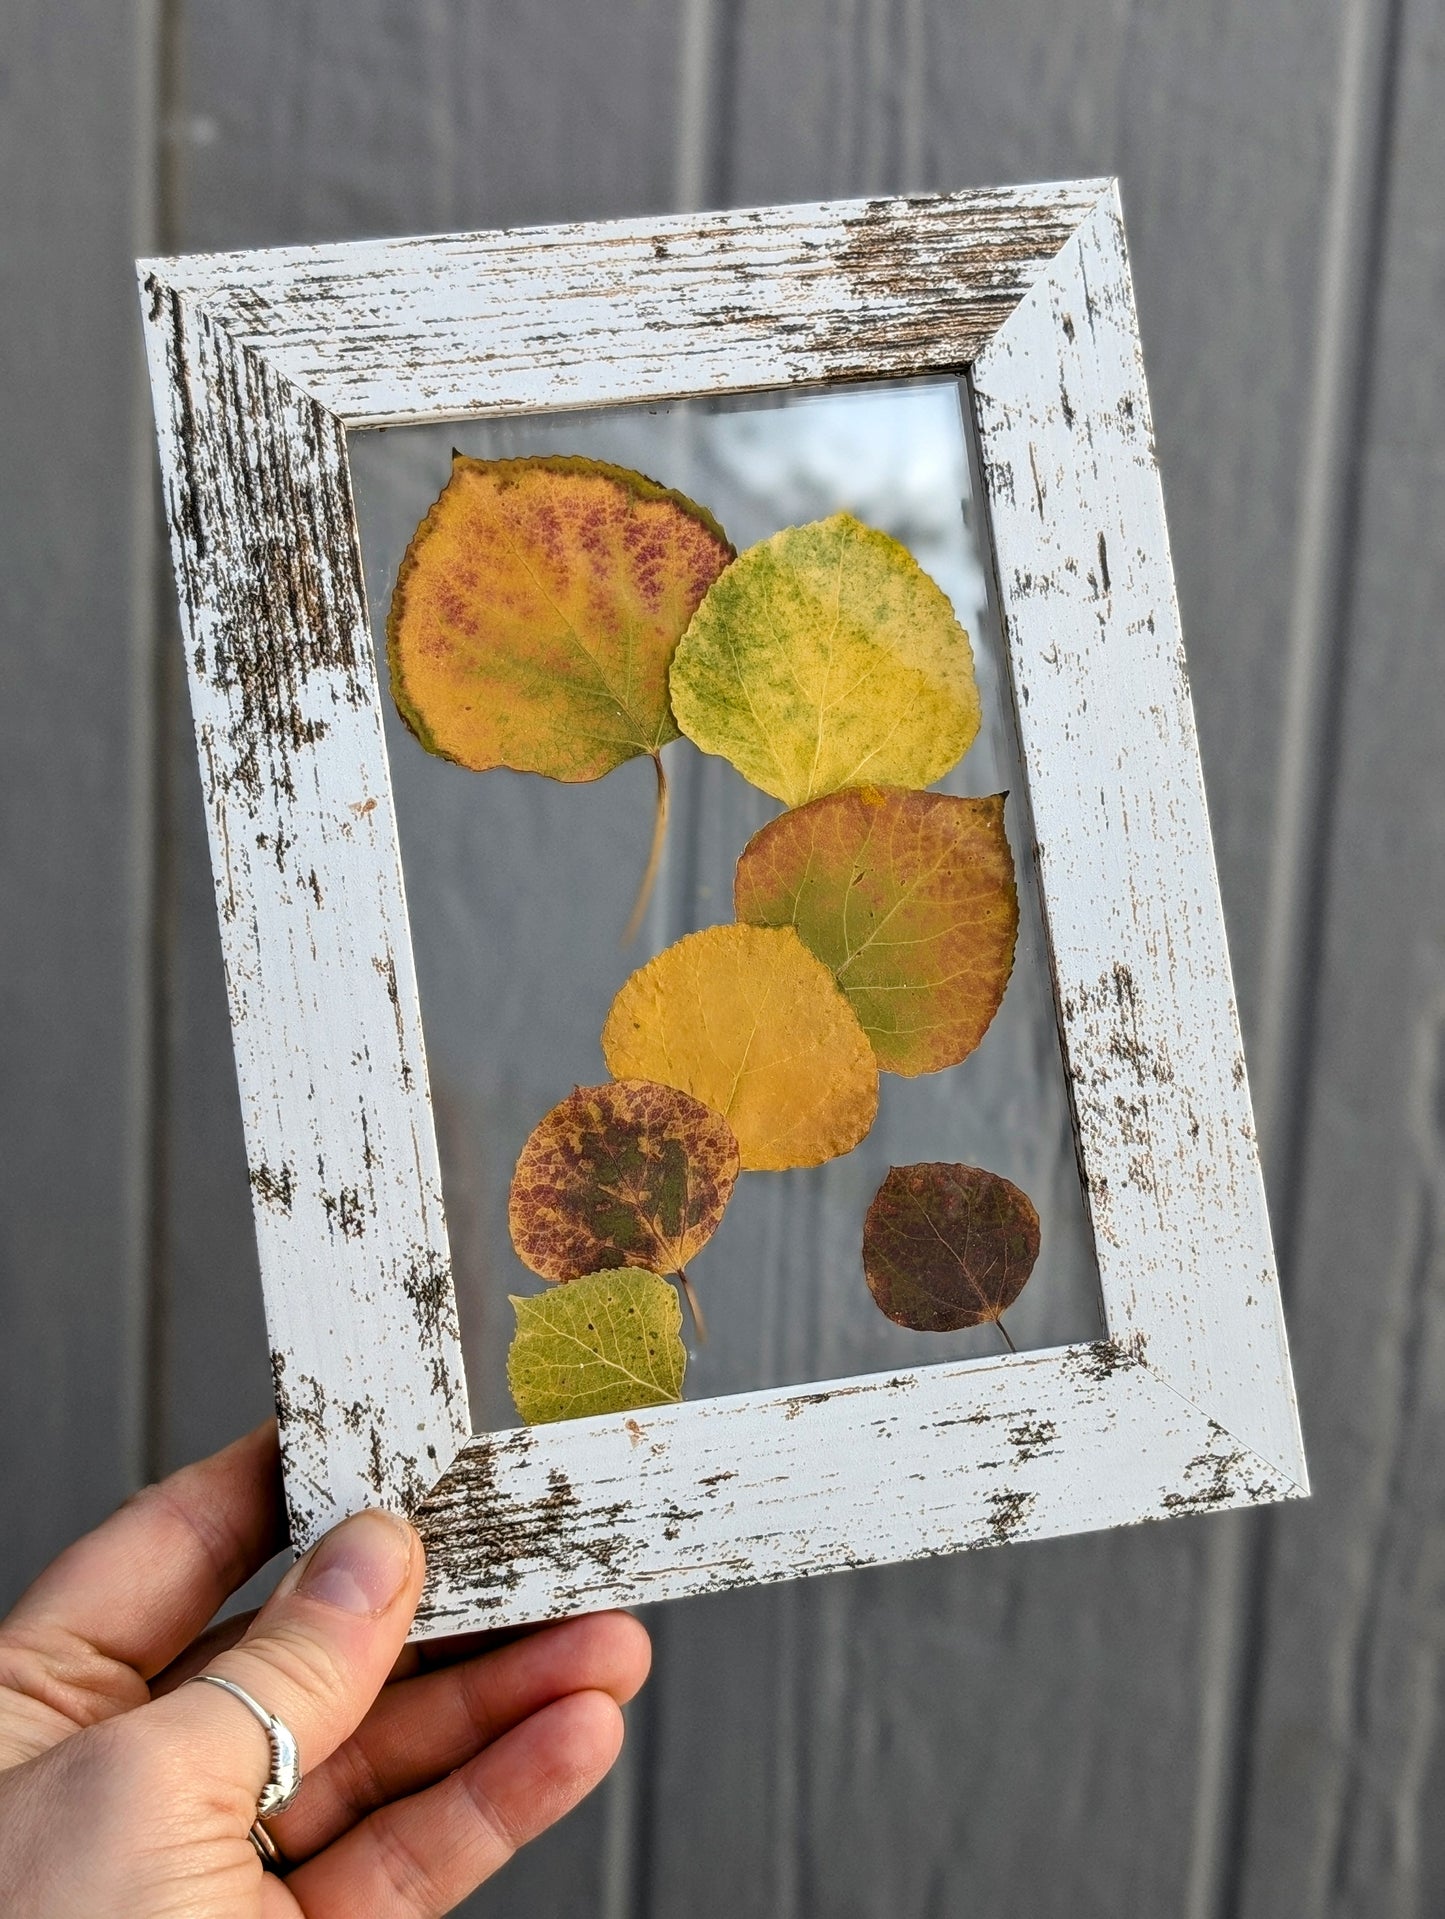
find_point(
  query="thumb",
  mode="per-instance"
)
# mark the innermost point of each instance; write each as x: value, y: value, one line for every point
x: 315, y: 1657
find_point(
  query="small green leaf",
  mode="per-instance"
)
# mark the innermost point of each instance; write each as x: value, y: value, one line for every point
x: 604, y: 1343
x: 823, y: 657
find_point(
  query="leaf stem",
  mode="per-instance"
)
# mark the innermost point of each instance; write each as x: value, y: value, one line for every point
x: 654, y: 855
x: 1004, y: 1330
x: 699, y: 1323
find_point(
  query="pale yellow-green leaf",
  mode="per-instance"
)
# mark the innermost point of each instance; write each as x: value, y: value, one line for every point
x: 824, y: 657
x: 605, y: 1343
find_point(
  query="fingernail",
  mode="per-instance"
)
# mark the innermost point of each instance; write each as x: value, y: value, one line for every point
x: 360, y: 1566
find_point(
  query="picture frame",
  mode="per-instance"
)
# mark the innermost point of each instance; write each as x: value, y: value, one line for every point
x: 263, y: 365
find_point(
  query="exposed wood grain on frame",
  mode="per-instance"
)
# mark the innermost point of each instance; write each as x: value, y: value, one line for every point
x: 313, y: 925
x: 398, y: 330
x: 260, y: 364
x: 1136, y: 935
x: 594, y: 1513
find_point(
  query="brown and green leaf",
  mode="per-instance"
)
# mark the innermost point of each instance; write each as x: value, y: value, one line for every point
x: 604, y: 1343
x: 630, y: 1174
x: 909, y: 899
x: 537, y: 611
x: 747, y: 1020
x: 945, y: 1247
x: 825, y: 656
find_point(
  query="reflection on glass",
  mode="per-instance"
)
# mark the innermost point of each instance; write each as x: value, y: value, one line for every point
x: 519, y: 890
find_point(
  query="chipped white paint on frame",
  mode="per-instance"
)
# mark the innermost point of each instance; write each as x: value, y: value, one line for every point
x: 1126, y: 865
x: 602, y: 314
x: 260, y: 364
x: 339, y: 1137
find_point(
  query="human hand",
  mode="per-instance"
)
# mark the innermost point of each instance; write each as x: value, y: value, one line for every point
x: 124, y: 1791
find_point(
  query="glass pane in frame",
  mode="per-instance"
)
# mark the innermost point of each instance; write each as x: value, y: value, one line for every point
x: 519, y: 889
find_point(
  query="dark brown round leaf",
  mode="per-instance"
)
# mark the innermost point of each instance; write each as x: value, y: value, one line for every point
x: 629, y: 1174
x: 946, y: 1247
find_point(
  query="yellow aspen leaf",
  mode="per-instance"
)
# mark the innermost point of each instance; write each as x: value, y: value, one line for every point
x: 908, y: 898
x: 945, y: 1247
x: 605, y: 1343
x: 823, y: 657
x: 629, y: 1174
x: 538, y: 608
x: 747, y: 1020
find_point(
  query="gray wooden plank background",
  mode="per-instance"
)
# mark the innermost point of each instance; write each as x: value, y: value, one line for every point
x: 1230, y: 1718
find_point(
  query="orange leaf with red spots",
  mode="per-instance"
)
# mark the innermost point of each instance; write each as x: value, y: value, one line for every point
x: 537, y: 611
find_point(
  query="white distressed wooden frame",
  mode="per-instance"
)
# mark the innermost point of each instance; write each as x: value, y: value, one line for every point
x: 262, y: 364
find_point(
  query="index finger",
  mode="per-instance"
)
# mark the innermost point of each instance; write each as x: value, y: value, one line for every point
x: 142, y: 1585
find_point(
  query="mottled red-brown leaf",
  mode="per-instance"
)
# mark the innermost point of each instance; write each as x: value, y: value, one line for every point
x: 945, y: 1247
x: 628, y: 1174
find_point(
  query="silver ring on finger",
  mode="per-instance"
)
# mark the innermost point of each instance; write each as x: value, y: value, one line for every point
x: 267, y: 1851
x: 283, y: 1781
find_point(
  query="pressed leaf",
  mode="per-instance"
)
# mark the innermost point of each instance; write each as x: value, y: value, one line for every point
x: 537, y: 610
x: 823, y: 657
x: 908, y: 898
x: 605, y: 1343
x: 747, y: 1020
x: 946, y: 1247
x: 629, y: 1174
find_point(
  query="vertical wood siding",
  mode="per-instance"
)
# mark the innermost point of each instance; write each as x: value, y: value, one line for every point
x: 1221, y: 1718
x: 76, y: 797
